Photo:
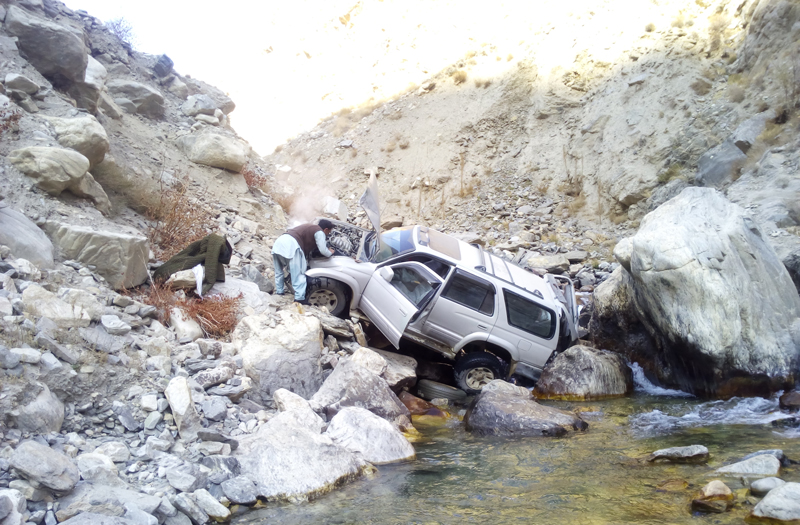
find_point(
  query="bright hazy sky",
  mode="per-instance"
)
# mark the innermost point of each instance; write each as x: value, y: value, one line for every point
x: 289, y: 63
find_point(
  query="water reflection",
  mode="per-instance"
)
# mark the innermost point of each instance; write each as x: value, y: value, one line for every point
x: 599, y: 476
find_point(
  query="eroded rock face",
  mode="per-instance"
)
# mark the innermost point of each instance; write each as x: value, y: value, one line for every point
x: 56, y: 170
x: 283, y: 356
x: 717, y: 300
x: 58, y: 52
x: 24, y: 238
x: 213, y: 149
x: 503, y: 409
x: 120, y: 258
x: 146, y: 100
x: 84, y: 135
x: 87, y: 92
x: 582, y: 372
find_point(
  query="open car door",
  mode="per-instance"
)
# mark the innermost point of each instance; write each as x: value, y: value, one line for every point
x: 395, y: 294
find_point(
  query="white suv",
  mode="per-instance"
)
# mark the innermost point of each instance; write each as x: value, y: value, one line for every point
x: 491, y: 317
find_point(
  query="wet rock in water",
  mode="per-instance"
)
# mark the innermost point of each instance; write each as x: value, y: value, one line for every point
x: 790, y: 401
x: 240, y: 490
x: 582, y: 372
x: 419, y: 407
x: 503, y: 409
x: 776, y: 452
x: 716, y: 496
x: 761, y: 487
x: 716, y: 295
x: 289, y: 461
x: 45, y: 466
x: 780, y: 505
x: 762, y: 465
x: 350, y: 384
x: 283, y: 356
x: 377, y: 440
x: 690, y: 454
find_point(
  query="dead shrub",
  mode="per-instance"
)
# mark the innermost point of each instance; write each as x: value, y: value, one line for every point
x: 459, y: 76
x: 577, y: 204
x: 679, y: 22
x: 9, y: 120
x: 178, y: 220
x: 254, y: 177
x: 346, y: 118
x: 735, y: 93
x: 123, y: 30
x: 403, y: 144
x: 672, y: 172
x: 649, y: 28
x: 217, y: 315
x: 483, y: 82
x: 701, y: 86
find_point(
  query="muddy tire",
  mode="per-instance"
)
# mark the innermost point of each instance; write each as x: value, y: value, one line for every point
x: 473, y: 371
x: 432, y: 390
x: 330, y: 294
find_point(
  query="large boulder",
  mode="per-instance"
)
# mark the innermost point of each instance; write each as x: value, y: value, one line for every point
x: 720, y: 164
x: 57, y: 51
x: 401, y: 370
x: 285, y: 355
x: 39, y: 302
x: 503, y: 409
x: 43, y: 465
x: 375, y: 439
x: 24, y: 238
x: 290, y: 461
x: 582, y: 372
x: 87, y: 92
x: 56, y: 170
x: 187, y: 419
x: 40, y: 414
x: 198, y: 104
x: 715, y: 297
x: 83, y: 134
x: 214, y: 149
x: 148, y: 101
x: 352, y: 385
x: 119, y: 257
x: 780, y: 505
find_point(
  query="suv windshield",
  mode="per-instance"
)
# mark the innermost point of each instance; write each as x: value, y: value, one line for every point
x: 395, y: 242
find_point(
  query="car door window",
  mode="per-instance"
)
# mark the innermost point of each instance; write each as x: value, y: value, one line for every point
x: 529, y: 316
x: 411, y: 284
x: 471, y: 292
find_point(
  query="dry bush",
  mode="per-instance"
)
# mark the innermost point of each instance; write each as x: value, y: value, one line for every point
x: 735, y: 93
x: 390, y: 146
x: 9, y: 120
x: 178, y: 220
x: 123, y: 30
x: 346, y: 118
x: 679, y: 22
x: 701, y: 86
x: 483, y: 82
x: 618, y: 218
x: 672, y: 172
x: 285, y: 200
x: 577, y: 204
x: 649, y: 28
x: 254, y: 177
x: 403, y: 143
x: 159, y: 295
x: 395, y: 115
x: 468, y: 189
x: 459, y: 76
x: 217, y: 315
x: 510, y: 57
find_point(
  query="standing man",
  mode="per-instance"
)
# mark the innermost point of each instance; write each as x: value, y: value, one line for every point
x: 293, y: 248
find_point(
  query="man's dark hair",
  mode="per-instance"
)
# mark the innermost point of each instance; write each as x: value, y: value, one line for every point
x: 325, y: 224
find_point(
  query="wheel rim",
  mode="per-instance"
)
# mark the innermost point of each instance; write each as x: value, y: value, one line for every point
x: 324, y: 298
x: 479, y: 377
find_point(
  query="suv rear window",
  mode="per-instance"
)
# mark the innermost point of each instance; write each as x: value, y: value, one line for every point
x: 470, y: 291
x: 529, y: 316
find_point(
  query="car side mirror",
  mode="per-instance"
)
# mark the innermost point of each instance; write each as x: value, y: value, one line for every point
x: 387, y: 273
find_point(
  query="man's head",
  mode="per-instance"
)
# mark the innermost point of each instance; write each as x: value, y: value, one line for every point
x: 326, y: 226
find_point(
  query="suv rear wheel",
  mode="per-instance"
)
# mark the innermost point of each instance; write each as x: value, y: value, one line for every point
x: 473, y: 371
x: 328, y: 293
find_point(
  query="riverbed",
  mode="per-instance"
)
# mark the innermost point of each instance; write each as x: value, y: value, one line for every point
x: 599, y: 476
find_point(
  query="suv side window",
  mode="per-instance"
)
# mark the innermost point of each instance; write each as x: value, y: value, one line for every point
x: 411, y: 284
x: 470, y: 291
x: 529, y: 316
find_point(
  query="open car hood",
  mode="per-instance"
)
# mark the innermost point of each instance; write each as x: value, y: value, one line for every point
x: 371, y: 203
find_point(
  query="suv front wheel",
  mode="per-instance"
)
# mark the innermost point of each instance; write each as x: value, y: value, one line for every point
x: 473, y: 371
x: 328, y: 293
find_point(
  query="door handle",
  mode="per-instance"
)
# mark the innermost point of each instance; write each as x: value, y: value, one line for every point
x: 482, y: 327
x: 402, y: 312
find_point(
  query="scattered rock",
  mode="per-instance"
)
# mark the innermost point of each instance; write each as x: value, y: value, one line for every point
x: 43, y: 465
x: 690, y: 454
x: 582, y: 372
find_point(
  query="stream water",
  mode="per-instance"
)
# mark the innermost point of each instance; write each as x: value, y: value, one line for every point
x: 596, y: 477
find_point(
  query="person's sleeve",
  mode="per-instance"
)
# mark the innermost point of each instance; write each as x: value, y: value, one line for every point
x: 320, y: 238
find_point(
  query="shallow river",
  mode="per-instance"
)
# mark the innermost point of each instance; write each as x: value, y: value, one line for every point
x: 595, y: 477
